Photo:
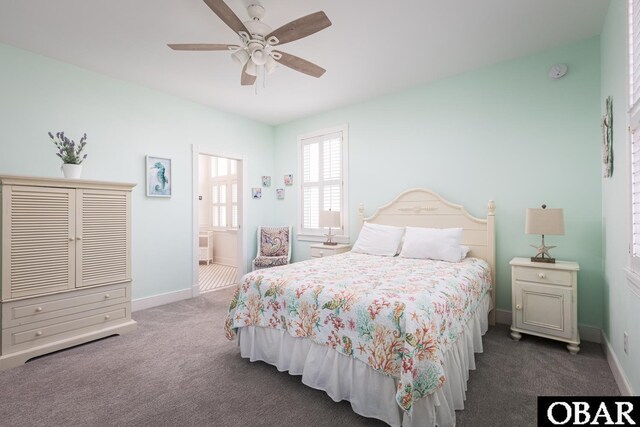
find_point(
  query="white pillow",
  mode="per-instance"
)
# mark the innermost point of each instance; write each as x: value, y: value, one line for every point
x: 432, y: 243
x: 377, y: 239
x: 464, y: 251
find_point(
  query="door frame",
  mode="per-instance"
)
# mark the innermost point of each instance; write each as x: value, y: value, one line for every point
x: 196, y: 151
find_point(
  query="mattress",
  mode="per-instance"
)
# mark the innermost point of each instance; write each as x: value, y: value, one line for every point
x: 400, y: 318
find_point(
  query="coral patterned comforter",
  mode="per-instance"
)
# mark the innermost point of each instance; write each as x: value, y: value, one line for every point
x: 399, y: 316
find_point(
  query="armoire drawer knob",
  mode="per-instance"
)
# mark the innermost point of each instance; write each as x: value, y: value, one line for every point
x: 542, y: 275
x: 107, y: 295
x: 38, y: 309
x: 518, y: 307
x: 107, y: 317
x: 39, y: 333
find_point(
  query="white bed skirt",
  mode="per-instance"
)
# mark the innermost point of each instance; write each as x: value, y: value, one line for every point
x: 370, y: 393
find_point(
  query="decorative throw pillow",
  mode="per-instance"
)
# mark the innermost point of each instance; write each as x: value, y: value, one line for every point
x: 377, y: 239
x: 274, y: 241
x: 441, y: 244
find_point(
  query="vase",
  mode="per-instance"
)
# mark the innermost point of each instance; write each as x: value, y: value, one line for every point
x: 71, y: 171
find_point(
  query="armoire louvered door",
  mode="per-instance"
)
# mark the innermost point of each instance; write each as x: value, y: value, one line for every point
x: 40, y: 243
x: 102, y: 234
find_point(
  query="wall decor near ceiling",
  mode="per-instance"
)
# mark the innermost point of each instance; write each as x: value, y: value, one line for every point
x: 266, y: 181
x: 288, y: 179
x: 256, y: 193
x: 158, y: 171
x: 607, y: 138
x: 280, y: 193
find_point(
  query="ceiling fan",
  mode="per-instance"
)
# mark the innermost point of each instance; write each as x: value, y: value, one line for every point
x: 258, y: 42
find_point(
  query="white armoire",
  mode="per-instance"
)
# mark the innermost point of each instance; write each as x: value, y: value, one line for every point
x: 65, y: 258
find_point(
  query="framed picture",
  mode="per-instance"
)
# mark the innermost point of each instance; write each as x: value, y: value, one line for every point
x: 288, y: 179
x: 280, y: 193
x: 158, y: 172
x: 266, y: 181
x: 256, y: 193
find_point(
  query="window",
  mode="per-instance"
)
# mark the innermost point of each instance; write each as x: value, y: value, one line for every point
x: 224, y: 193
x: 322, y: 158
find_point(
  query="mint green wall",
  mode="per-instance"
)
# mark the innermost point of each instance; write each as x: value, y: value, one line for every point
x: 505, y: 132
x: 622, y: 307
x: 125, y: 122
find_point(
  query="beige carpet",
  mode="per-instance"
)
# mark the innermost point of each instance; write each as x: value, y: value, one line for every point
x: 178, y: 369
x: 216, y: 276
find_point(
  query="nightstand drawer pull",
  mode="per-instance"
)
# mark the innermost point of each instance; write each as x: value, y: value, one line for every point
x: 38, y: 309
x: 107, y: 317
x: 39, y: 333
x: 518, y: 307
x: 542, y: 275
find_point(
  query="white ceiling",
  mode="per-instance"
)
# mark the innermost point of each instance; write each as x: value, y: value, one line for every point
x: 373, y: 47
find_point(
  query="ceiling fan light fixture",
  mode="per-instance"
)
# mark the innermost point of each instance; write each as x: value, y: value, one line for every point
x: 251, y: 69
x: 240, y: 56
x: 259, y: 56
x: 271, y: 65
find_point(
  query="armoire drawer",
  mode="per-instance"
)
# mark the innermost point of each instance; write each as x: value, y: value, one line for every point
x: 26, y: 336
x: 38, y: 309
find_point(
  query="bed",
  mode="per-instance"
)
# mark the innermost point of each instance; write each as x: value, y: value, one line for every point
x: 394, y: 336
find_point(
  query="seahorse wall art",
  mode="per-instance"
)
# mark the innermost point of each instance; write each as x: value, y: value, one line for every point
x: 607, y: 138
x: 158, y: 177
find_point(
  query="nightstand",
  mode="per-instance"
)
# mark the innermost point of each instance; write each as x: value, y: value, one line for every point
x: 320, y: 250
x: 544, y: 301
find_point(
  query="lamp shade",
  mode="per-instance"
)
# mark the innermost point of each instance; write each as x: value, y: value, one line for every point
x: 544, y: 221
x: 330, y: 219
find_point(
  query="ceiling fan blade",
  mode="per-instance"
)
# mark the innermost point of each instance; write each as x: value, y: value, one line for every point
x: 246, y: 79
x: 201, y: 46
x: 225, y: 13
x: 300, y: 28
x: 301, y: 65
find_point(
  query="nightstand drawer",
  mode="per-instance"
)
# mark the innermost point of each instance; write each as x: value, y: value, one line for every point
x: 321, y: 251
x: 543, y: 275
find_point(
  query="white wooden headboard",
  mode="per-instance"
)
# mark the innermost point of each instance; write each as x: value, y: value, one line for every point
x: 424, y: 208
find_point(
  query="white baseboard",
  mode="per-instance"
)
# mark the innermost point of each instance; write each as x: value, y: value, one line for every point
x: 231, y: 262
x: 162, y: 299
x: 587, y: 333
x: 616, y: 368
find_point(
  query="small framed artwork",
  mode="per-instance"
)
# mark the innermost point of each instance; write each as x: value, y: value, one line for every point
x: 266, y: 181
x: 288, y: 179
x: 256, y: 193
x: 158, y: 172
x: 280, y: 193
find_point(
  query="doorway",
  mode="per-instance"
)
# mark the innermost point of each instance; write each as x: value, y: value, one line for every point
x: 219, y: 199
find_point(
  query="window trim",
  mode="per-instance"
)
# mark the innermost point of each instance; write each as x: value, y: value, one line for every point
x: 343, y: 237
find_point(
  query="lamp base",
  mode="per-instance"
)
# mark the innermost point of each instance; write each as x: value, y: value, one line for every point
x: 330, y: 243
x: 547, y: 260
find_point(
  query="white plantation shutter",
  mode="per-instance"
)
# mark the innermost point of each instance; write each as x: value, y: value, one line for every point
x: 634, y: 102
x: 634, y: 53
x: 322, y: 168
x: 635, y: 192
x: 224, y: 193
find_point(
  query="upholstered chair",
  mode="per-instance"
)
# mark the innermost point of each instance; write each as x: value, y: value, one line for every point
x: 274, y: 247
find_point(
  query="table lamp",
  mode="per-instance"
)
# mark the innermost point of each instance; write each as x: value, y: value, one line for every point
x: 330, y: 219
x: 544, y: 221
